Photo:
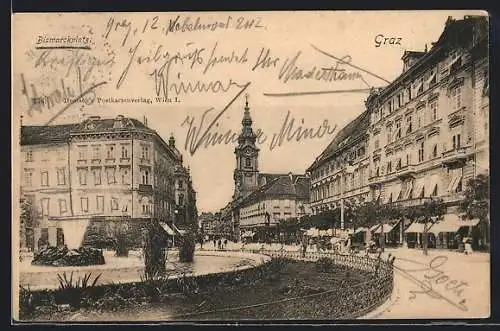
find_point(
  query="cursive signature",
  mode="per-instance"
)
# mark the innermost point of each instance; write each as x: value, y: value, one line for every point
x: 435, y: 281
x: 71, y: 59
x: 193, y: 138
x: 64, y: 93
x: 290, y: 131
x: 203, y: 135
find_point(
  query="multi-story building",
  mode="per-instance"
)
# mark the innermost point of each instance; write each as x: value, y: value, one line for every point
x: 208, y: 224
x: 340, y: 173
x: 282, y: 198
x: 261, y: 199
x: 99, y: 172
x: 422, y: 136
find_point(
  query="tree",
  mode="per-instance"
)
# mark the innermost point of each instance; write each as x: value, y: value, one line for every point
x: 429, y: 212
x: 476, y: 204
x: 477, y: 197
x: 364, y: 214
x: 27, y: 223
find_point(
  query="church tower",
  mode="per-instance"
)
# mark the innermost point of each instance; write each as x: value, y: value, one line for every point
x: 247, y: 166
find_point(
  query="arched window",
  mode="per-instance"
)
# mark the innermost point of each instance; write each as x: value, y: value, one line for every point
x: 248, y: 162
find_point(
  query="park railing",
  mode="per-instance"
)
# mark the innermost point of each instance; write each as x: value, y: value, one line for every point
x: 347, y: 302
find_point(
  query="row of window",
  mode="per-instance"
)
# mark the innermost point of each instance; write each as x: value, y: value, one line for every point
x: 96, y: 152
x: 421, y: 85
x: 146, y: 206
x: 421, y: 120
x: 456, y: 143
x: 44, y: 177
x: 351, y: 181
x: 29, y: 155
x: 110, y: 151
x: 336, y: 164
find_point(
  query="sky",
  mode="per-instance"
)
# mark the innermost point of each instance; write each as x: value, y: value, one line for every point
x: 229, y: 62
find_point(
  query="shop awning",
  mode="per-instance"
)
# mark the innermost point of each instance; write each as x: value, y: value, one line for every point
x: 247, y: 234
x: 418, y: 188
x: 416, y: 227
x: 312, y: 232
x: 387, y: 228
x: 396, y: 192
x: 180, y: 232
x: 407, y: 191
x: 388, y: 197
x: 361, y: 229
x: 455, y: 180
x: 374, y: 227
x: 432, y: 183
x: 452, y: 223
x: 167, y: 229
x: 328, y: 232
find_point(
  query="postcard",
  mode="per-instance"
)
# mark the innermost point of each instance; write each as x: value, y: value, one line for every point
x: 215, y: 166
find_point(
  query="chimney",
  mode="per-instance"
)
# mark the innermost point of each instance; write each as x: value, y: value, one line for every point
x: 291, y: 176
x: 21, y: 120
x: 118, y: 124
x: 145, y: 120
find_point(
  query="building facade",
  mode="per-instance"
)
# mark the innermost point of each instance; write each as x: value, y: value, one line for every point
x: 97, y: 173
x: 341, y: 172
x: 424, y: 135
x: 260, y: 199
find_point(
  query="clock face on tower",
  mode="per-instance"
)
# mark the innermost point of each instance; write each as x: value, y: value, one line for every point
x: 248, y: 150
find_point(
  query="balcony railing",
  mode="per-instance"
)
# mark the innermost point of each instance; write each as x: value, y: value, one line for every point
x: 410, y: 202
x: 147, y: 188
x: 406, y: 171
x: 456, y: 155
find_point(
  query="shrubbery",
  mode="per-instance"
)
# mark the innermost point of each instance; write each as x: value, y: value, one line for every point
x: 187, y: 247
x: 121, y: 244
x: 55, y: 256
x: 325, y: 264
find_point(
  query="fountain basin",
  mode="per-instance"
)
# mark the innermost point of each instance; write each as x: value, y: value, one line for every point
x: 129, y: 269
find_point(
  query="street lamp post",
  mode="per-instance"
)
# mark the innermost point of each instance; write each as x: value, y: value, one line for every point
x: 176, y: 211
x: 349, y: 170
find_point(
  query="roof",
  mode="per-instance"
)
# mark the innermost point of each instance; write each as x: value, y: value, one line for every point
x: 412, y: 54
x: 53, y: 134
x: 353, y: 130
x: 292, y: 185
x: 457, y: 33
x: 34, y: 135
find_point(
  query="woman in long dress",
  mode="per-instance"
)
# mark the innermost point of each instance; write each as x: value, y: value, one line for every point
x: 468, y: 246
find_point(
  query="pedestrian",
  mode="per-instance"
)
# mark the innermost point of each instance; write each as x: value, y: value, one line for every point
x: 304, y: 247
x: 219, y: 243
x: 467, y: 246
x: 225, y: 243
x: 215, y: 243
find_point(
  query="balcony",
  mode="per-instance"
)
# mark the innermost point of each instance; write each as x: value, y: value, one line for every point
x: 374, y: 180
x: 146, y: 188
x: 456, y: 157
x: 410, y: 202
x: 407, y: 171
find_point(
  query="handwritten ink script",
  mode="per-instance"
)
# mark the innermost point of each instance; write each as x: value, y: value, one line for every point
x: 436, y: 283
x: 202, y: 133
x: 129, y: 50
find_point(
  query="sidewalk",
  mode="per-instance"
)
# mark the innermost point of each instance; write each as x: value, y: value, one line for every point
x: 441, y: 285
x: 444, y: 284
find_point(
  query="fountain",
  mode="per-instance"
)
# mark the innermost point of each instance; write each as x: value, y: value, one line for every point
x: 74, y: 230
